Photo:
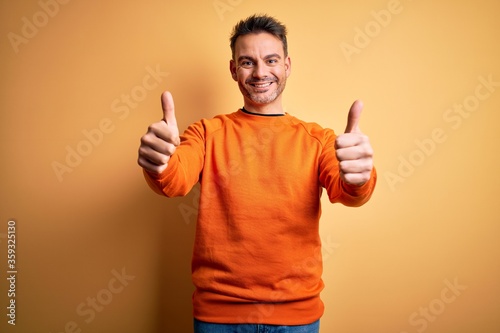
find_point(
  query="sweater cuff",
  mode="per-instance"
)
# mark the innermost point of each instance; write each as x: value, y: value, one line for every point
x: 153, y: 180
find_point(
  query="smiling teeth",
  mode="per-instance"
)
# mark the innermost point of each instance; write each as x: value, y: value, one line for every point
x: 262, y: 85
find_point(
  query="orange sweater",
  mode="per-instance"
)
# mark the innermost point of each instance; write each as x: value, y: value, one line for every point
x: 257, y: 252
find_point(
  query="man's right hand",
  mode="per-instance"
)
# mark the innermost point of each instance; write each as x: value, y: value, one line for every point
x: 161, y: 139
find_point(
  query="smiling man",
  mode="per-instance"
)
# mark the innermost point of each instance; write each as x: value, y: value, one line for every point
x: 261, y: 67
x: 257, y: 255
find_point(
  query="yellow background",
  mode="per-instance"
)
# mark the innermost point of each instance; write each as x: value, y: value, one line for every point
x: 384, y: 263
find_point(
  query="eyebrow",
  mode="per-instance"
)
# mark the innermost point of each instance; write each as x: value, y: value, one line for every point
x: 269, y: 56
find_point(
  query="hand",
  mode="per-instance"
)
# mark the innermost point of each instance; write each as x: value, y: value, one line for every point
x: 161, y: 139
x: 354, y: 152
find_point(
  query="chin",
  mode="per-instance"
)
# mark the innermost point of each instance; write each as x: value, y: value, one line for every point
x: 264, y: 98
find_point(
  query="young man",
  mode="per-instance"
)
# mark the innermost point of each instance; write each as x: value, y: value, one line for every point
x: 257, y: 253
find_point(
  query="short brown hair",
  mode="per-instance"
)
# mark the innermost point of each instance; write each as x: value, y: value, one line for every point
x: 259, y: 23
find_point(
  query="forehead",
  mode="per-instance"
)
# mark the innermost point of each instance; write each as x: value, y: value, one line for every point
x: 258, y: 44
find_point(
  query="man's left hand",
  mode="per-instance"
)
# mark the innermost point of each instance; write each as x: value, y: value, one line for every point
x: 354, y: 151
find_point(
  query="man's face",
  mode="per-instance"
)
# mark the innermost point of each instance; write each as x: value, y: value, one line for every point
x: 260, y: 67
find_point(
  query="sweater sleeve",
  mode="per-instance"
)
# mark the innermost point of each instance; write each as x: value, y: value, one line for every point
x: 329, y: 176
x: 184, y: 166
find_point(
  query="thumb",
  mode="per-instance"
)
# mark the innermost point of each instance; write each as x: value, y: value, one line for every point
x: 167, y: 104
x: 354, y: 117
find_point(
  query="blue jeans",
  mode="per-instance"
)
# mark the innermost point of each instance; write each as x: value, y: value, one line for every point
x: 202, y: 327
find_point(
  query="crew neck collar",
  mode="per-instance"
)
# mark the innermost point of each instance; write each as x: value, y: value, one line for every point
x: 263, y: 115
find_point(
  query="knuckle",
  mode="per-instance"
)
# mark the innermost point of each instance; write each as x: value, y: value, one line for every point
x: 164, y: 159
x: 162, y: 168
x: 169, y: 150
x: 339, y: 141
x: 155, y: 127
x: 169, y: 137
x: 364, y: 165
x: 366, y: 149
x: 369, y: 150
x: 151, y: 128
x: 344, y: 166
x: 349, y: 177
x: 145, y: 140
x: 336, y: 142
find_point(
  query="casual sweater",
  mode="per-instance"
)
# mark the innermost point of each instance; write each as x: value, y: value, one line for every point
x: 257, y: 251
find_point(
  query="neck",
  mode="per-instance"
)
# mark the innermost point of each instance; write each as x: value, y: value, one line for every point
x: 271, y: 108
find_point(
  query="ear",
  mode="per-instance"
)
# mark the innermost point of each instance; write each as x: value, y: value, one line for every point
x: 288, y: 66
x: 232, y: 69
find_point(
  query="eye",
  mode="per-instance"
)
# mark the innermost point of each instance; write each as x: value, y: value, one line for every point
x: 272, y: 61
x: 246, y: 64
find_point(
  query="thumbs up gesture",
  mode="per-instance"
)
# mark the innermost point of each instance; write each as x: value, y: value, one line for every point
x: 353, y: 149
x: 161, y: 139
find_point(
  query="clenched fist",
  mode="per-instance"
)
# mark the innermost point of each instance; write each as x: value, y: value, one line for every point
x: 354, y: 152
x: 161, y: 139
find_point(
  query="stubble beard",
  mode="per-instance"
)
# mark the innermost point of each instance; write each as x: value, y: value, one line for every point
x: 265, y: 98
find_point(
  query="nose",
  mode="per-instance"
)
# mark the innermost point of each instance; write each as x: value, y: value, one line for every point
x: 259, y: 70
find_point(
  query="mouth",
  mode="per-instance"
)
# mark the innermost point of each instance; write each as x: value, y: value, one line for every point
x: 260, y: 85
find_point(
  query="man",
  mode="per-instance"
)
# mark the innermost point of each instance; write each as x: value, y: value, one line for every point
x: 257, y: 253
